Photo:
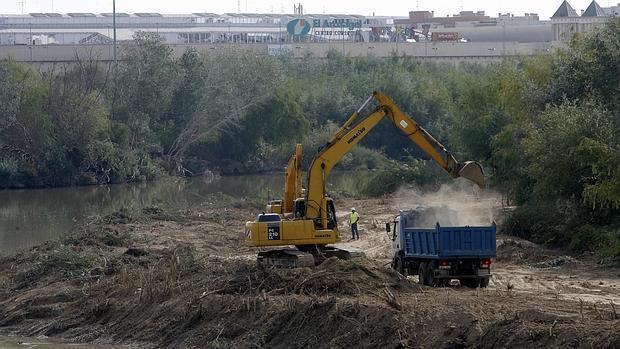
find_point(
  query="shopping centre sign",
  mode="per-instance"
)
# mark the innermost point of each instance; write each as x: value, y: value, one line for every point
x: 337, y: 26
x: 348, y: 23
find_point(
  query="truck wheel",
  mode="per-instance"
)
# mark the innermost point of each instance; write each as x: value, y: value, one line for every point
x: 484, y: 282
x: 422, y: 273
x: 399, y: 266
x: 430, y: 275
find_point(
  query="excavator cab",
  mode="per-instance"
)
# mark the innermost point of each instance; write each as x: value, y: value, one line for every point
x: 332, y: 222
x: 300, y: 212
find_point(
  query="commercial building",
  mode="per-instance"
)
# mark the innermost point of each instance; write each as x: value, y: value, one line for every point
x: 90, y: 28
x: 565, y: 22
x: 479, y: 27
x: 211, y: 28
x: 46, y: 39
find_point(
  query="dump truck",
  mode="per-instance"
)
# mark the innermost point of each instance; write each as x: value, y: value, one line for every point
x: 442, y: 253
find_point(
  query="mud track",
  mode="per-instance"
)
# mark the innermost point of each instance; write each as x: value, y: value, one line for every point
x: 185, y: 280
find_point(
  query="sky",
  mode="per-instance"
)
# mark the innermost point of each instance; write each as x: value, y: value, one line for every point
x: 545, y: 8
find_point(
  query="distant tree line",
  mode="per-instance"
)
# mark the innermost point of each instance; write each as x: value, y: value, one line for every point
x: 547, y: 129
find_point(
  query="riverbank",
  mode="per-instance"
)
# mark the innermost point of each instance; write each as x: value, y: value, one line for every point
x: 30, y: 217
x: 183, y: 278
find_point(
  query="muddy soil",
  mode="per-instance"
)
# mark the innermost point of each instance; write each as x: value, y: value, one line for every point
x: 184, y: 279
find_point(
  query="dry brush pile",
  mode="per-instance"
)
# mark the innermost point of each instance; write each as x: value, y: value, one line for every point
x: 104, y: 284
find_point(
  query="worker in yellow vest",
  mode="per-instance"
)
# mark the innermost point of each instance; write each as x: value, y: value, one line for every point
x: 354, y: 218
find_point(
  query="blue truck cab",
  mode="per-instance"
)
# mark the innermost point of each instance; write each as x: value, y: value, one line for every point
x: 440, y: 254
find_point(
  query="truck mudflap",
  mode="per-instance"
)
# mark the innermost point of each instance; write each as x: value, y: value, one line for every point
x: 484, y: 272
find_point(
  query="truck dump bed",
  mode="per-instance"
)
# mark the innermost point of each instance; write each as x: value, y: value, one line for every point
x: 442, y: 254
x: 449, y: 242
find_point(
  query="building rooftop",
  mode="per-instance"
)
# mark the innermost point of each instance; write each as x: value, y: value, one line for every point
x: 196, y: 14
x: 81, y: 14
x: 565, y: 10
x: 118, y: 14
x: 594, y: 10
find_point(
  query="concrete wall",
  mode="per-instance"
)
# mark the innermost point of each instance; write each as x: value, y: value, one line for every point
x: 563, y: 28
x: 440, y: 51
x: 512, y: 33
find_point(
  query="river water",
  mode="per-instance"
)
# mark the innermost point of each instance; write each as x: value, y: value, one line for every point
x: 29, y: 217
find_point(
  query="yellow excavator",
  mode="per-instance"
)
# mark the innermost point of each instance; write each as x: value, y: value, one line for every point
x: 307, y: 219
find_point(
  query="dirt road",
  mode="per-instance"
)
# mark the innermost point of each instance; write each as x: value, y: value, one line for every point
x: 521, y: 266
x: 186, y: 280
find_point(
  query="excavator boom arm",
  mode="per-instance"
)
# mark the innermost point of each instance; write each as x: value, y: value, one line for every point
x: 418, y: 135
x: 350, y: 134
x: 292, y: 189
x: 470, y: 170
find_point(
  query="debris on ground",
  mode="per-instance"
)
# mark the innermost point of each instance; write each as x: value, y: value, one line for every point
x: 185, y: 279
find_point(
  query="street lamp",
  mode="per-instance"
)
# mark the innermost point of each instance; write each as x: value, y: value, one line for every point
x: 114, y: 25
x: 342, y: 30
x: 114, y: 68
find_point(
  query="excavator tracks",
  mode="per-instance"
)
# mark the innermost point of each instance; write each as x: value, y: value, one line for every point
x: 285, y: 259
x: 305, y: 257
x: 327, y: 252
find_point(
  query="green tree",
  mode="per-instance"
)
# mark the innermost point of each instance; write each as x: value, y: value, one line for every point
x: 590, y: 68
x: 553, y: 143
x: 233, y: 84
x: 602, y: 188
x: 142, y: 94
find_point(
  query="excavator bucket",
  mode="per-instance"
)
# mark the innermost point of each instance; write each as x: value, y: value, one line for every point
x: 473, y: 171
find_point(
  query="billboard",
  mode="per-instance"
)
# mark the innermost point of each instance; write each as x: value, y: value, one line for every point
x: 299, y: 27
x: 324, y: 27
x: 445, y: 36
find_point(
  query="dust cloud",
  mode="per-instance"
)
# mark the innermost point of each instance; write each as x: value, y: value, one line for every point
x: 455, y: 204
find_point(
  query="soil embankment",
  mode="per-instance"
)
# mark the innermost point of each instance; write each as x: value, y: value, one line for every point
x: 185, y: 279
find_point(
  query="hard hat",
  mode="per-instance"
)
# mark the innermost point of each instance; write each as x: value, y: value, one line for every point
x: 353, y: 209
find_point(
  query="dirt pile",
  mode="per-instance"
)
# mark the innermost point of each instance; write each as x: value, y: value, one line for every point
x: 107, y: 284
x: 172, y: 279
x: 332, y: 277
x: 175, y: 298
x: 518, y: 251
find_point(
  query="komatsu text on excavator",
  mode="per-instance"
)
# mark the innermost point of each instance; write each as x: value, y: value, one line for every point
x: 306, y: 218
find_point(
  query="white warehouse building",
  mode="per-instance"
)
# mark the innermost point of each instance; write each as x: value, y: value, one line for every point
x: 90, y: 28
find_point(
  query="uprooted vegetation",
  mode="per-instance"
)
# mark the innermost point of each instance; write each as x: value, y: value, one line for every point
x: 170, y: 295
x: 110, y: 283
x: 519, y: 251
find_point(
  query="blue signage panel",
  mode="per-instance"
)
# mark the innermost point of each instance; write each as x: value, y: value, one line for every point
x: 299, y: 27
